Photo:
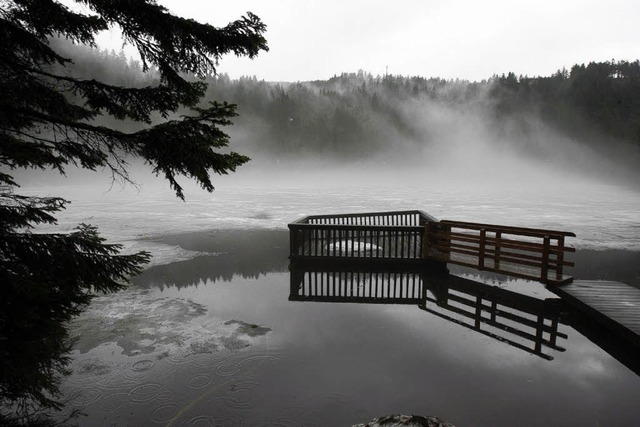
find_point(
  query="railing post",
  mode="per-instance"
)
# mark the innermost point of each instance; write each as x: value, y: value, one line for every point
x: 292, y: 241
x: 297, y: 282
x: 478, y: 318
x: 395, y: 243
x: 545, y: 259
x: 446, y: 231
x: 560, y: 258
x: 314, y: 240
x: 352, y: 240
x: 539, y: 333
x: 497, y: 247
x: 554, y: 332
x: 483, y: 236
x: 425, y: 240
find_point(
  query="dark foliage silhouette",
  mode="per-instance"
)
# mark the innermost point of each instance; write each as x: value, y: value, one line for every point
x: 48, y: 120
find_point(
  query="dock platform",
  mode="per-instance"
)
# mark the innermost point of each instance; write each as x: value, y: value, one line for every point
x: 615, y: 304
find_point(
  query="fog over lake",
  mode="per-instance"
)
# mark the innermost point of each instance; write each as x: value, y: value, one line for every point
x: 602, y: 214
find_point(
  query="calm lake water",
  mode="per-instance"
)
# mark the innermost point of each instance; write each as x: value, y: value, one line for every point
x: 210, y: 335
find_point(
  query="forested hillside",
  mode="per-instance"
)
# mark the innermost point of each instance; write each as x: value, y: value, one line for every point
x: 355, y: 116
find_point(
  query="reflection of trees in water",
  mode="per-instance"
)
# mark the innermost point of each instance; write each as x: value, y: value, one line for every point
x: 248, y: 253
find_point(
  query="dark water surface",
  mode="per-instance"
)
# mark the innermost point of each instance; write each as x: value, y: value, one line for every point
x: 218, y: 341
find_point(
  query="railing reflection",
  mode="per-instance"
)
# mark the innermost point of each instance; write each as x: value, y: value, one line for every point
x: 359, y: 285
x: 521, y: 321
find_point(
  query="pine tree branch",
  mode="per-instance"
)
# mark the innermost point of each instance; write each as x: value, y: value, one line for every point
x: 48, y: 119
x: 23, y: 212
x: 172, y: 42
x: 29, y: 51
x: 132, y: 103
x: 47, y: 17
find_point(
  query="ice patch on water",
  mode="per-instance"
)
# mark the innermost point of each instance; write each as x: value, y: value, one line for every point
x: 602, y: 216
x: 160, y: 253
x: 144, y: 322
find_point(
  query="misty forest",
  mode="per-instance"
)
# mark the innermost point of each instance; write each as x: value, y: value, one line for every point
x: 358, y: 117
x: 348, y: 269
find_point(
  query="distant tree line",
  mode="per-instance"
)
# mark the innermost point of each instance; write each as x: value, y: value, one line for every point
x: 602, y: 96
x: 358, y: 115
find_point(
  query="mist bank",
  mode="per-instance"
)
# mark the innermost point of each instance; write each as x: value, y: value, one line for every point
x: 584, y: 120
x: 567, y: 121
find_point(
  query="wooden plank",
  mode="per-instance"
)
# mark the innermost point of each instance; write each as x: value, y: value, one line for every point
x: 616, y: 305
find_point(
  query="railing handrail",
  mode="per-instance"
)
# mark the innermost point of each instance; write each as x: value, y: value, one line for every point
x: 524, y: 231
x: 416, y: 228
x: 491, y: 243
x: 421, y: 214
x: 510, y: 243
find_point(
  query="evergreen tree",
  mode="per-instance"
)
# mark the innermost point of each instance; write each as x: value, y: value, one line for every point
x: 48, y: 121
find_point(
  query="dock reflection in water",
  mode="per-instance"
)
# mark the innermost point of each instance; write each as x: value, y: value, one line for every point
x: 522, y: 321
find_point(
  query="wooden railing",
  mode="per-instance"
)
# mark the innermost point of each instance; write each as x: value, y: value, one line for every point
x: 414, y: 236
x: 394, y: 218
x: 370, y: 236
x: 522, y: 252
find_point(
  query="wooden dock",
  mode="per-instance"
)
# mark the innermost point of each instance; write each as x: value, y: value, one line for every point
x: 614, y: 304
x: 415, y: 238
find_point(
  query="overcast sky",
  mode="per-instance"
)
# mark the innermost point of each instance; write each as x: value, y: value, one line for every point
x: 467, y: 39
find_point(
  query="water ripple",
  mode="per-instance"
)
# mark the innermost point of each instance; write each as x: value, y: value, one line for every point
x: 199, y: 381
x: 228, y: 369
x: 142, y: 365
x: 210, y: 421
x: 145, y: 392
x: 165, y: 413
x: 90, y: 396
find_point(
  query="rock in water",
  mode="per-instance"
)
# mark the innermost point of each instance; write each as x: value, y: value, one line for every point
x: 406, y: 421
